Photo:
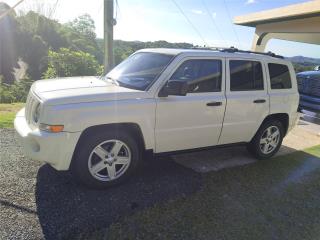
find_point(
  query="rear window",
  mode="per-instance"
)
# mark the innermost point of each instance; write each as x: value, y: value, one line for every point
x: 279, y: 76
x: 245, y: 75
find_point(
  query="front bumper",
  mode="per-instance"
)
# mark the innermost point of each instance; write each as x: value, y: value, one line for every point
x: 53, y: 148
x: 309, y: 103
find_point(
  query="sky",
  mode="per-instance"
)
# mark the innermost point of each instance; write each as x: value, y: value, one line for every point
x: 210, y: 21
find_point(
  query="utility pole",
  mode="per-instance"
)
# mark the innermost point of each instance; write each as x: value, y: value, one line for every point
x: 108, y: 35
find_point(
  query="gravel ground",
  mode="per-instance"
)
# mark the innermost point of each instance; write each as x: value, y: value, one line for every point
x: 37, y: 202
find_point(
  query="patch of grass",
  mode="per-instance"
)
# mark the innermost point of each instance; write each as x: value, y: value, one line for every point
x: 8, y: 113
x: 275, y: 199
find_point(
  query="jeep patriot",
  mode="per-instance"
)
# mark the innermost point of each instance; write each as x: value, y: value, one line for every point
x: 160, y: 101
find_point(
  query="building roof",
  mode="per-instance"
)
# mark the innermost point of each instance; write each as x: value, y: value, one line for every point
x: 291, y: 12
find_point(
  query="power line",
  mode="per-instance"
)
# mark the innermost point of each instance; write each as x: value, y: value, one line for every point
x: 233, y: 28
x: 189, y: 21
x: 212, y: 19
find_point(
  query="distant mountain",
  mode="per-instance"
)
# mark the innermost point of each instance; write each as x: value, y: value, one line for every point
x: 306, y: 61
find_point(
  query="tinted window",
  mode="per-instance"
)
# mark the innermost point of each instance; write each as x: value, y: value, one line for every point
x: 204, y: 75
x: 245, y: 75
x: 279, y: 76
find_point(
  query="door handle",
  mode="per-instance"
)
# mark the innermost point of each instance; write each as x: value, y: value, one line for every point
x: 214, y: 104
x: 259, y: 101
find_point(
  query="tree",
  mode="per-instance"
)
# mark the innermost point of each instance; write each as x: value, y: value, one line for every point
x: 81, y: 36
x: 122, y: 49
x: 8, y: 36
x: 34, y: 34
x: 44, y: 8
x: 84, y: 24
x: 47, y: 29
x: 38, y: 34
x: 302, y: 68
x: 67, y: 63
x: 34, y: 51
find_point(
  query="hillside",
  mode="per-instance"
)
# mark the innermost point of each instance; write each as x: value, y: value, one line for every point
x: 306, y: 61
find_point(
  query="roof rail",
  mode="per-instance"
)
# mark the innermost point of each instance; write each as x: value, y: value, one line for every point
x: 235, y: 50
x: 211, y: 48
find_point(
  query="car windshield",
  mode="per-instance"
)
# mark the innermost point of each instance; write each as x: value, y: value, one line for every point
x: 140, y: 70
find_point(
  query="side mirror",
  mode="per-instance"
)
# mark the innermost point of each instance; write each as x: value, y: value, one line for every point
x: 175, y: 88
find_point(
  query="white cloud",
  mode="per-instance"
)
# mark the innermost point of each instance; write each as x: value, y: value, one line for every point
x: 196, y: 11
x: 214, y: 14
x: 251, y: 1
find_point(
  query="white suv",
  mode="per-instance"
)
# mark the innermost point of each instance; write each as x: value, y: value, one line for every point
x: 159, y: 100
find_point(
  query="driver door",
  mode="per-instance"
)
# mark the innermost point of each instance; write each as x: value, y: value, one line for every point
x: 194, y: 120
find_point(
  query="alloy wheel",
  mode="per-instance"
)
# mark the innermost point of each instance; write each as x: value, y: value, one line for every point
x: 270, y: 140
x: 109, y: 160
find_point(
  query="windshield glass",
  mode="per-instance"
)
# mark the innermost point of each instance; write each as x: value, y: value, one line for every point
x: 140, y: 70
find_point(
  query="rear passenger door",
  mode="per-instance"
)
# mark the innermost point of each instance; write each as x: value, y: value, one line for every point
x: 247, y: 100
x: 284, y: 97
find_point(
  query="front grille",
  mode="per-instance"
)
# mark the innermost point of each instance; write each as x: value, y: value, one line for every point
x: 309, y: 86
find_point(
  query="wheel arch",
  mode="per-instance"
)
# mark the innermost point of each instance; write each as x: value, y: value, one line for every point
x: 132, y: 128
x: 282, y: 117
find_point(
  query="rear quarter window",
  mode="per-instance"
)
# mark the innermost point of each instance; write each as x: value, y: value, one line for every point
x: 279, y: 76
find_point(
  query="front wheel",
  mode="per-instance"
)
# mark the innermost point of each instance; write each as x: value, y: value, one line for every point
x: 105, y: 159
x: 267, y: 140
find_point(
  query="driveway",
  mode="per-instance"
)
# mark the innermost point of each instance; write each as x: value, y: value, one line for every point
x: 38, y: 202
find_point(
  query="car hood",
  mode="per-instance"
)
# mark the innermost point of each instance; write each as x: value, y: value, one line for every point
x: 80, y: 90
x: 310, y: 74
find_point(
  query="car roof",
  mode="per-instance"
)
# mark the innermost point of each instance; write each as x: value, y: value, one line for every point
x: 208, y: 52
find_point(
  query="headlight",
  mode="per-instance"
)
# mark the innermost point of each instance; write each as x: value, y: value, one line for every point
x: 36, y: 113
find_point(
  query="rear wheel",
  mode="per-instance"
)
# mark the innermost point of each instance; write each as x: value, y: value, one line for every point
x: 105, y: 159
x: 267, y: 140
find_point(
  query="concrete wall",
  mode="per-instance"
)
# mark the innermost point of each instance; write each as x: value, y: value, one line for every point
x: 305, y: 30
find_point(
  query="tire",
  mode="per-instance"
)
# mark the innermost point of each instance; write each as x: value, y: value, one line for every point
x: 96, y: 163
x: 264, y: 147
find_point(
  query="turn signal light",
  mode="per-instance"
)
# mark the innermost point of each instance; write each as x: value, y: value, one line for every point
x: 51, y: 128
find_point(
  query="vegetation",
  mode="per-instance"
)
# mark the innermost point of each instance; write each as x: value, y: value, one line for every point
x: 51, y: 49
x: 122, y: 49
x: 16, y: 92
x: 276, y: 199
x: 33, y: 37
x: 68, y: 63
x: 298, y: 67
x: 7, y: 114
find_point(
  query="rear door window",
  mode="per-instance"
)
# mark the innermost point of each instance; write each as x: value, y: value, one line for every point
x: 246, y: 75
x: 279, y: 76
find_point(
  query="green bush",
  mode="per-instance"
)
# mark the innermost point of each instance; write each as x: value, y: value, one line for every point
x: 16, y: 92
x: 302, y: 68
x: 68, y: 63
